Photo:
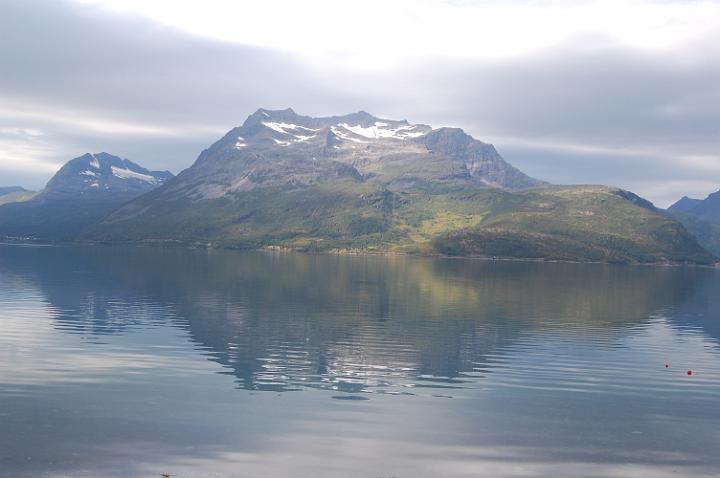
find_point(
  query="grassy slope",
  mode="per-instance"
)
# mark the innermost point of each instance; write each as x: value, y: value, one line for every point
x: 563, y: 223
x: 571, y: 223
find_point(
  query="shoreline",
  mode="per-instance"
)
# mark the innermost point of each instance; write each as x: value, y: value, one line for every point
x: 341, y: 252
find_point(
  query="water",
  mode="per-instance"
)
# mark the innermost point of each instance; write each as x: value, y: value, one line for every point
x: 124, y: 362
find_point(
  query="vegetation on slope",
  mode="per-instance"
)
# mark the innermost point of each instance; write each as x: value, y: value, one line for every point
x: 587, y: 223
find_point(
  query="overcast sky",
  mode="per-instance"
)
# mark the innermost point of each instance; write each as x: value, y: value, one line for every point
x: 621, y: 93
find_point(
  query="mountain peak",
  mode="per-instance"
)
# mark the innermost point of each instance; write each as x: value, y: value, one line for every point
x: 284, y: 146
x: 269, y: 113
x: 363, y: 118
x: 685, y: 204
x: 102, y: 173
x: 264, y: 114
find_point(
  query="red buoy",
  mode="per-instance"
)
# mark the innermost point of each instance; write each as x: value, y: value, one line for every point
x: 690, y: 372
x: 667, y: 365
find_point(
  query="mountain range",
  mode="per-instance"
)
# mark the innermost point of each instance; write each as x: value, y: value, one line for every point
x: 702, y: 218
x: 358, y: 183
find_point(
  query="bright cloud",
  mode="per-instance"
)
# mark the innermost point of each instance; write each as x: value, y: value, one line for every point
x: 380, y: 32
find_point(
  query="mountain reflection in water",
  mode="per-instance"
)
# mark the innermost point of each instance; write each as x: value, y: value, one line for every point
x: 465, y: 366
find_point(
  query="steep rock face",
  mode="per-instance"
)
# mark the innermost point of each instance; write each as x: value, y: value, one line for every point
x: 478, y: 160
x: 81, y: 193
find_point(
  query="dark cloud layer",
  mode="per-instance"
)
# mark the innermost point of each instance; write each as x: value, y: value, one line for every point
x: 587, y: 112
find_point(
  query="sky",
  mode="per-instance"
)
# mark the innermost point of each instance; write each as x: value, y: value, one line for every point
x: 571, y: 92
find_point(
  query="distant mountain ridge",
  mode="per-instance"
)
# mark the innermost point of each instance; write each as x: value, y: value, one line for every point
x: 702, y: 218
x: 366, y: 184
x: 707, y: 209
x: 102, y: 174
x: 11, y: 194
x: 685, y: 204
x: 81, y: 193
x: 11, y: 189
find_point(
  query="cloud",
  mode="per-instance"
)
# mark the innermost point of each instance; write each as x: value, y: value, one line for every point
x: 377, y: 32
x: 22, y: 150
x: 629, y: 103
x: 93, y: 82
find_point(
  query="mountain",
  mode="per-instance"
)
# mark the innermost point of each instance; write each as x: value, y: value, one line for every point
x: 102, y: 175
x: 10, y: 194
x: 81, y: 193
x: 11, y: 189
x: 361, y: 183
x: 702, y: 218
x: 282, y: 148
x: 707, y: 209
x: 685, y: 204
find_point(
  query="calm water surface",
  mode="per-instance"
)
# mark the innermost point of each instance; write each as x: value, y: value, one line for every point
x: 124, y: 362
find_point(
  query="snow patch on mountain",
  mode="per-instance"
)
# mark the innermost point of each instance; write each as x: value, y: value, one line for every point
x: 297, y: 132
x: 301, y: 138
x: 344, y: 135
x: 284, y: 127
x: 381, y: 130
x: 406, y: 131
x: 124, y: 173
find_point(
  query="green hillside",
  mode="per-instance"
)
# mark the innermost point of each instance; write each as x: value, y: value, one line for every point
x: 585, y: 223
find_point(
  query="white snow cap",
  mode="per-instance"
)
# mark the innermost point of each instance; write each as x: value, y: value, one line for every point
x: 124, y: 173
x: 287, y: 130
x: 382, y: 130
x: 292, y: 130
